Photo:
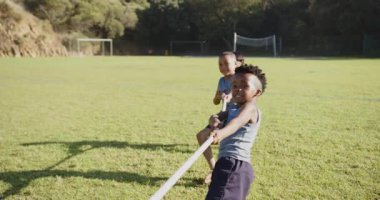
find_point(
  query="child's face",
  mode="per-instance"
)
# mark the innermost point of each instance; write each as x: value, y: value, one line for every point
x: 227, y: 65
x: 244, y: 88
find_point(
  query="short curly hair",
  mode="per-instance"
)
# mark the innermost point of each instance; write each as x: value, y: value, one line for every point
x: 255, y: 70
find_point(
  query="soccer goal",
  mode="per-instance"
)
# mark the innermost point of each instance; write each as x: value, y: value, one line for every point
x: 102, y: 42
x: 267, y: 42
x: 187, y: 47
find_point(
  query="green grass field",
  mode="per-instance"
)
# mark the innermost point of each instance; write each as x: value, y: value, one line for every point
x: 117, y: 128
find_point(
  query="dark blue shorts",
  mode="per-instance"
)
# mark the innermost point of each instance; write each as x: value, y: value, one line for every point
x: 231, y: 180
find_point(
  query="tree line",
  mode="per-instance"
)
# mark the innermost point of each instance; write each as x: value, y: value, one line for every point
x: 338, y: 27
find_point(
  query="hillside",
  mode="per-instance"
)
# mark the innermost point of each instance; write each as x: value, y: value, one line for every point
x: 22, y: 34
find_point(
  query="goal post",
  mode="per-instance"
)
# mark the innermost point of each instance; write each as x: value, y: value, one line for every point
x: 102, y: 40
x: 266, y: 42
x: 188, y: 46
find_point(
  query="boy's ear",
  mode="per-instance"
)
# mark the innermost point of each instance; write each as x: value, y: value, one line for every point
x: 257, y: 93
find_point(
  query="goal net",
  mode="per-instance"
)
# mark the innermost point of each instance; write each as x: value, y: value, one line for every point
x: 101, y: 41
x: 269, y: 43
x: 185, y: 47
x: 371, y: 45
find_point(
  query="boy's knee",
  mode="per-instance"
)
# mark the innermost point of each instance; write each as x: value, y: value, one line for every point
x: 197, y: 135
x: 203, y: 134
x: 200, y: 135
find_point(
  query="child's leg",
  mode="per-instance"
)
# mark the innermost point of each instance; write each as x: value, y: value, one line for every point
x: 202, y: 136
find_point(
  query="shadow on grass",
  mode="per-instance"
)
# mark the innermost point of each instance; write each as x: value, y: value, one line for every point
x: 81, y: 146
x: 21, y: 179
x: 76, y: 148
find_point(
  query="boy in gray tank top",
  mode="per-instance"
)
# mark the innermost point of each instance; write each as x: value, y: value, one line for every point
x: 233, y: 173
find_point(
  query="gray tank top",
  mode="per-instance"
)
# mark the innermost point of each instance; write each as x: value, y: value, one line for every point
x: 239, y: 144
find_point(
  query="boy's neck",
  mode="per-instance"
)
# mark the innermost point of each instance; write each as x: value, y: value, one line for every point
x: 252, y: 101
x: 228, y: 76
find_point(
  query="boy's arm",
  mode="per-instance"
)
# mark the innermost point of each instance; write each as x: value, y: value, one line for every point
x: 246, y: 114
x: 220, y: 95
x: 217, y: 97
x: 222, y: 115
x: 216, y: 119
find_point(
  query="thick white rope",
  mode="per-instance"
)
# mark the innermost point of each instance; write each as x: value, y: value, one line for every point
x: 178, y: 174
x: 224, y: 107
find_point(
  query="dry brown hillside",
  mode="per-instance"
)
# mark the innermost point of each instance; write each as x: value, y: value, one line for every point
x: 22, y: 34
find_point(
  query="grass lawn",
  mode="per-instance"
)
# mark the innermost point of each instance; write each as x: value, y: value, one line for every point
x: 118, y: 128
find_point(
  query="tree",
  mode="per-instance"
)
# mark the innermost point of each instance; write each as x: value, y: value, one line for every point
x: 99, y: 18
x: 342, y: 17
x: 163, y: 21
x: 58, y: 12
x: 217, y: 19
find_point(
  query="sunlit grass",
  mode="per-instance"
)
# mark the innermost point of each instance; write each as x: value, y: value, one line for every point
x: 117, y: 128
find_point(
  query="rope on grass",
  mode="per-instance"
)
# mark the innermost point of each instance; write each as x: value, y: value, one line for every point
x: 179, y: 173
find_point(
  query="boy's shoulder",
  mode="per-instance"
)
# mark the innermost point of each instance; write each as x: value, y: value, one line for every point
x: 252, y: 110
x: 224, y: 80
x: 221, y: 78
x: 224, y: 84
